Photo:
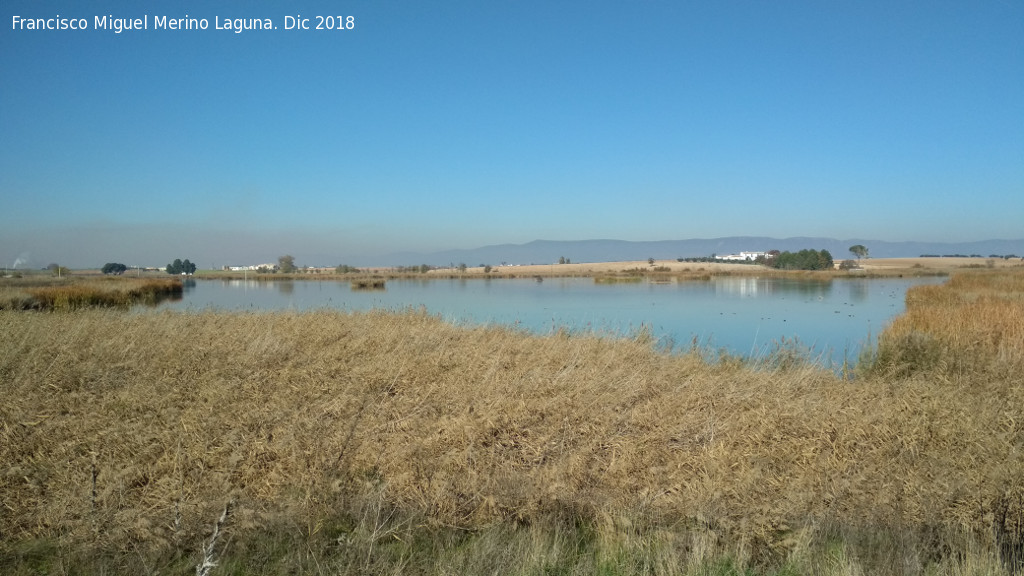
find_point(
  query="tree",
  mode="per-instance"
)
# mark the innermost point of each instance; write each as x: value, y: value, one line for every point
x: 462, y: 267
x: 825, y: 261
x: 181, y: 267
x: 115, y: 268
x: 286, y: 263
x: 859, y: 250
x: 57, y: 269
x: 650, y: 261
x: 561, y: 259
x: 803, y: 260
x: 487, y: 269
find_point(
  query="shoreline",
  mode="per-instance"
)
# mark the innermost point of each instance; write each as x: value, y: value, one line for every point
x: 868, y: 267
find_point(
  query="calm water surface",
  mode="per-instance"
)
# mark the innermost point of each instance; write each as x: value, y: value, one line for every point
x: 745, y: 316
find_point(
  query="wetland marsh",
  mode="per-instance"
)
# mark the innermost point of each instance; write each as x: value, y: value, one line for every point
x: 333, y: 441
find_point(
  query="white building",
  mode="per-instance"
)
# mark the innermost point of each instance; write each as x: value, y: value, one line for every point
x: 742, y: 256
x: 253, y: 267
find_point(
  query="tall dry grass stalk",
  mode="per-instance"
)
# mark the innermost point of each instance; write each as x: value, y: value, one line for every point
x: 972, y: 324
x: 399, y: 421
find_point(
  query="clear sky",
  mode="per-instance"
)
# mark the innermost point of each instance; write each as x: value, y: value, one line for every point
x: 437, y: 125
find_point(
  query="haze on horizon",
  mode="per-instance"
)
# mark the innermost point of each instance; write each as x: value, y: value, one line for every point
x: 426, y: 128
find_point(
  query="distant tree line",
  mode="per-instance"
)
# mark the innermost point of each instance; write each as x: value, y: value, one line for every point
x: 421, y: 269
x: 802, y: 260
x: 714, y: 258
x: 180, y: 266
x: 1003, y: 256
x: 706, y: 260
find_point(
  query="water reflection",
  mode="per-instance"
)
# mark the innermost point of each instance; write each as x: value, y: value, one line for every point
x: 859, y: 290
x: 808, y: 289
x: 742, y: 287
x: 245, y: 284
x: 754, y: 287
x: 742, y: 314
x: 154, y: 300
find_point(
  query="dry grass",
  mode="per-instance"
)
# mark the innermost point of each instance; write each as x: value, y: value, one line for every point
x: 944, y: 263
x: 134, y: 431
x: 298, y: 417
x: 972, y: 324
x: 40, y: 293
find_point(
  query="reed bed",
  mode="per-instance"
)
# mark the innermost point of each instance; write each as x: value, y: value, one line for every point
x: 618, y: 279
x: 74, y: 293
x: 377, y: 438
x: 369, y: 284
x: 967, y: 328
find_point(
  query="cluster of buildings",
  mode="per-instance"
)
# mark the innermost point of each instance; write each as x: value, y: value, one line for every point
x: 742, y: 256
x: 254, y: 267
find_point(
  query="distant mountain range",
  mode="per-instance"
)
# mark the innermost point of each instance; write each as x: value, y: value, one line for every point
x: 549, y: 251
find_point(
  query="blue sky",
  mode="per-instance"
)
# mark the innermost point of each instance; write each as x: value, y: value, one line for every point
x: 431, y: 126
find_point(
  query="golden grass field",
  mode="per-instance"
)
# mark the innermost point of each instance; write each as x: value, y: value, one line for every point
x: 683, y: 270
x: 870, y: 266
x: 594, y: 268
x: 84, y: 291
x: 396, y: 443
x: 874, y: 265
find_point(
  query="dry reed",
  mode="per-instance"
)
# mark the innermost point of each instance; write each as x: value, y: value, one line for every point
x: 973, y: 323
x: 369, y: 284
x: 77, y: 292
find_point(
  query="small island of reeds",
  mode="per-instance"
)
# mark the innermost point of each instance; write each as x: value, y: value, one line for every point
x: 368, y: 284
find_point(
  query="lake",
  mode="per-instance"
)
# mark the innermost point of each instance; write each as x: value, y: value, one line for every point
x: 742, y: 315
